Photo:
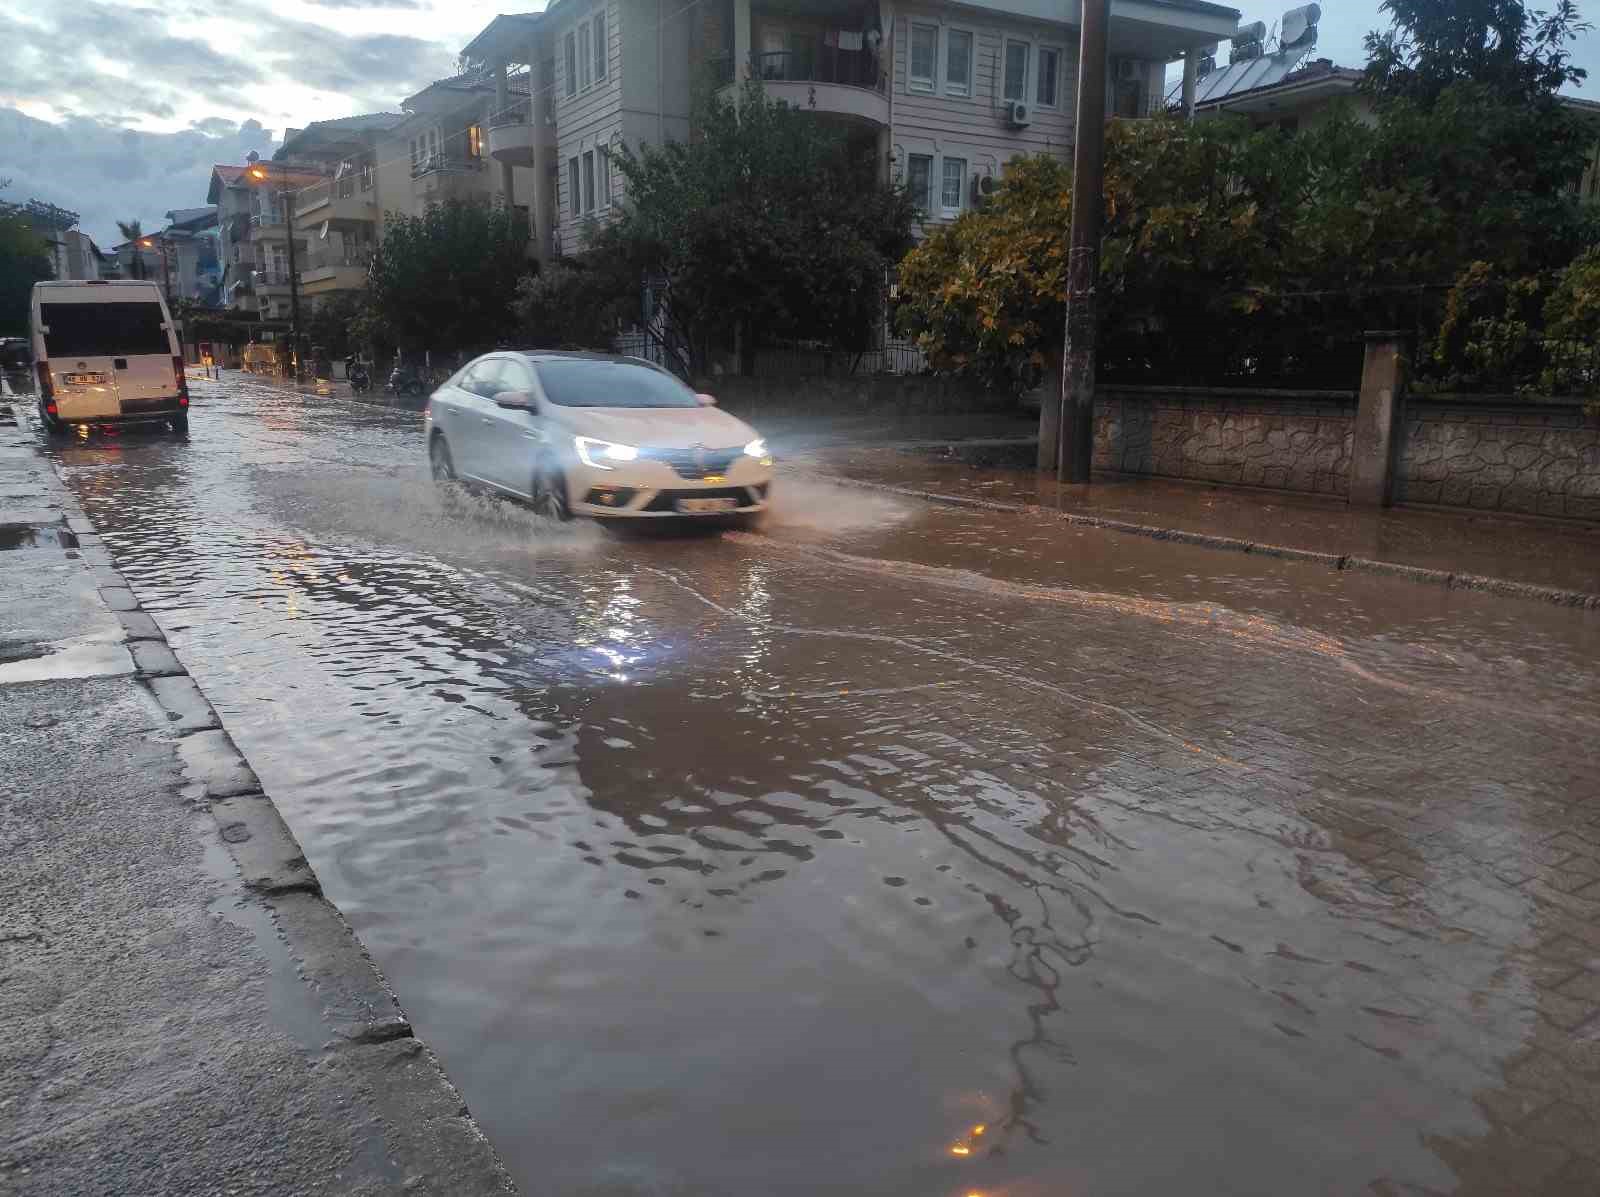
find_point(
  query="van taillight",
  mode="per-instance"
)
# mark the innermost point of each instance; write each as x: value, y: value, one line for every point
x: 46, y: 390
x: 182, y: 380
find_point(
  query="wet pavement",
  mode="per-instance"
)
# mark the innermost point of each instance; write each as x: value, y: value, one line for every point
x: 998, y: 468
x: 903, y: 849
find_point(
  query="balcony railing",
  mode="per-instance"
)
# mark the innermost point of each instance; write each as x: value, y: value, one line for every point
x: 272, y: 278
x: 321, y: 261
x: 519, y: 112
x: 445, y: 164
x: 320, y: 193
x: 820, y: 63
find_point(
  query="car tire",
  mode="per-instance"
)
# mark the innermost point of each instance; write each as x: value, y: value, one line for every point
x: 440, y: 464
x: 180, y: 424
x: 54, y: 427
x: 549, y: 494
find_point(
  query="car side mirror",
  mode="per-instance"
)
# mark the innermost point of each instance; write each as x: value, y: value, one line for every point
x: 515, y: 400
x: 706, y: 400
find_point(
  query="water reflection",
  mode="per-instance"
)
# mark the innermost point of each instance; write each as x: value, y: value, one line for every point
x: 755, y: 864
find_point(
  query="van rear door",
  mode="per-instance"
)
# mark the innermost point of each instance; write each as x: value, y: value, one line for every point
x: 110, y: 351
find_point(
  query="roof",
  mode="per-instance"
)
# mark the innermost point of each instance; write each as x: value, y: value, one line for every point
x: 476, y: 82
x: 1257, y: 75
x: 1215, y: 10
x: 202, y: 217
x: 337, y: 132
x: 506, y: 25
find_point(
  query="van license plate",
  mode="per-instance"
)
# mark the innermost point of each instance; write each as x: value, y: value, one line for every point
x: 702, y: 506
x: 85, y: 380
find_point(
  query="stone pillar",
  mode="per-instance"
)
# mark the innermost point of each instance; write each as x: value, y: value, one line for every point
x: 1191, y: 77
x: 541, y: 209
x: 741, y: 40
x: 1383, y: 383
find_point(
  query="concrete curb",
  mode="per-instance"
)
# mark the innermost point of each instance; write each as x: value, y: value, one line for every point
x: 1504, y: 587
x: 358, y: 1005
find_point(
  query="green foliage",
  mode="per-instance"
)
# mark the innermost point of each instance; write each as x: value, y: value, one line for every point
x: 1521, y: 55
x: 444, y: 280
x: 24, y: 260
x: 767, y: 220
x: 1572, y: 329
x: 579, y: 302
x: 328, y: 327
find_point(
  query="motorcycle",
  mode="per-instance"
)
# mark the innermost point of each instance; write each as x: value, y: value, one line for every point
x: 406, y: 380
x: 360, y: 380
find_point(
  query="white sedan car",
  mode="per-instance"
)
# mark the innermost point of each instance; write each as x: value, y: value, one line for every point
x: 589, y: 434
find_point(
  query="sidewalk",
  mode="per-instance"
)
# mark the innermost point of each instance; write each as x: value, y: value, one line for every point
x: 1539, y: 558
x: 184, y: 1012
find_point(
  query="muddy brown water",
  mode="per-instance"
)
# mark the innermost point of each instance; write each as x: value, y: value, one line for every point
x: 896, y: 850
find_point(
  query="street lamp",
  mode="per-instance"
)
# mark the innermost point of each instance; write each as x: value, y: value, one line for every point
x: 166, y: 271
x: 286, y: 194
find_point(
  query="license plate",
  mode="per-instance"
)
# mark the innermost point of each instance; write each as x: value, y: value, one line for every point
x: 701, y: 506
x: 85, y: 380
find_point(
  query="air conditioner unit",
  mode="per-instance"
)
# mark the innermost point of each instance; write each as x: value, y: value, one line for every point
x: 1017, y: 115
x: 983, y: 189
x: 1129, y: 70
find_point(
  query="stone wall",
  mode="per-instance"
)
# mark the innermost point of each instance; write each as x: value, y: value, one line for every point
x: 1504, y: 454
x: 1287, y: 440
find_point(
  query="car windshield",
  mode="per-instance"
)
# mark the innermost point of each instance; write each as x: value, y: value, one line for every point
x: 580, y: 383
x: 103, y: 329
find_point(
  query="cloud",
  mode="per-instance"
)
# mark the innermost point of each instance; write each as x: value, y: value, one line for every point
x: 106, y: 173
x: 366, y: 3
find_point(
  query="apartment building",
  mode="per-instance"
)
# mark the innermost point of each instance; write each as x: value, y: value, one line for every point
x: 338, y: 217
x: 946, y: 94
x: 252, y: 204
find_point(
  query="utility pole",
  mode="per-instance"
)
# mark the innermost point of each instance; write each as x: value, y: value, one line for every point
x: 1075, y: 418
x: 286, y: 194
x: 160, y: 243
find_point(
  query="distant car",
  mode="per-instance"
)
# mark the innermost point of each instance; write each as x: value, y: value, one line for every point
x: 106, y: 352
x: 590, y: 434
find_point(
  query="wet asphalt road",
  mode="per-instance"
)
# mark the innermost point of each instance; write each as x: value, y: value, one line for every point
x: 782, y: 863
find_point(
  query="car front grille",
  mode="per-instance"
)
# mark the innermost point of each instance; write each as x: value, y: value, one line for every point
x: 695, y: 463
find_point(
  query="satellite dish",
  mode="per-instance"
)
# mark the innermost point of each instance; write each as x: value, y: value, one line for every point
x: 1300, y: 26
x: 322, y: 233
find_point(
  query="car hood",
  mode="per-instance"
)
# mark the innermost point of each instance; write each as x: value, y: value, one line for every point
x: 659, y: 427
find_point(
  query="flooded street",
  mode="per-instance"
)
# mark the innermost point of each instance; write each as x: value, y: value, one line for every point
x: 900, y: 849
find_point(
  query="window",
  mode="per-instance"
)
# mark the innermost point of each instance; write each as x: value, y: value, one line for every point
x: 474, y: 141
x: 600, y: 46
x: 955, y: 179
x: 1044, y: 93
x: 85, y: 329
x: 585, y: 59
x: 572, y: 65
x: 413, y: 153
x: 588, y: 180
x: 924, y: 56
x: 573, y: 382
x: 574, y: 195
x: 958, y: 63
x: 605, y: 177
x: 919, y: 181
x: 1016, y: 76
x: 366, y: 174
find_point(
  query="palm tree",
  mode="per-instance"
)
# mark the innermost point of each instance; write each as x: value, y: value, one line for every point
x: 132, y: 231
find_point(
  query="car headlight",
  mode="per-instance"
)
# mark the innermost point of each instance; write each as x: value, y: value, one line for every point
x: 600, y: 454
x: 758, y: 449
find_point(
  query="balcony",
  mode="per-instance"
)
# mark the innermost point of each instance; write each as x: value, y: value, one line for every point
x: 514, y: 137
x: 440, y: 178
x: 822, y: 78
x: 325, y: 272
x: 338, y: 200
x: 271, y: 282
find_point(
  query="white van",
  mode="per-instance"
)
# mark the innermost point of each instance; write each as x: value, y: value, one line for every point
x: 106, y: 352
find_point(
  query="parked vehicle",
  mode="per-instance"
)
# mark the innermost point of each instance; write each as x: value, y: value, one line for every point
x: 592, y: 434
x: 106, y: 352
x: 406, y: 380
x: 356, y: 373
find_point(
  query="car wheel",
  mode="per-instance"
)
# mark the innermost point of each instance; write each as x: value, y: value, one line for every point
x: 180, y: 424
x: 439, y: 463
x: 54, y: 427
x: 550, y: 494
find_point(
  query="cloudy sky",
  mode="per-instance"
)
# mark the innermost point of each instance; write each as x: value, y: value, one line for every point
x: 118, y: 111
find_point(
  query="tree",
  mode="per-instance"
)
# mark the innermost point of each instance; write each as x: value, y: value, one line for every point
x: 445, y: 280
x: 579, y: 302
x: 769, y: 221
x: 24, y: 260
x: 1520, y: 55
x: 132, y: 232
x: 329, y: 326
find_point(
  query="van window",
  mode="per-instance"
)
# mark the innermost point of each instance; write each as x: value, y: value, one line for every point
x: 103, y: 329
